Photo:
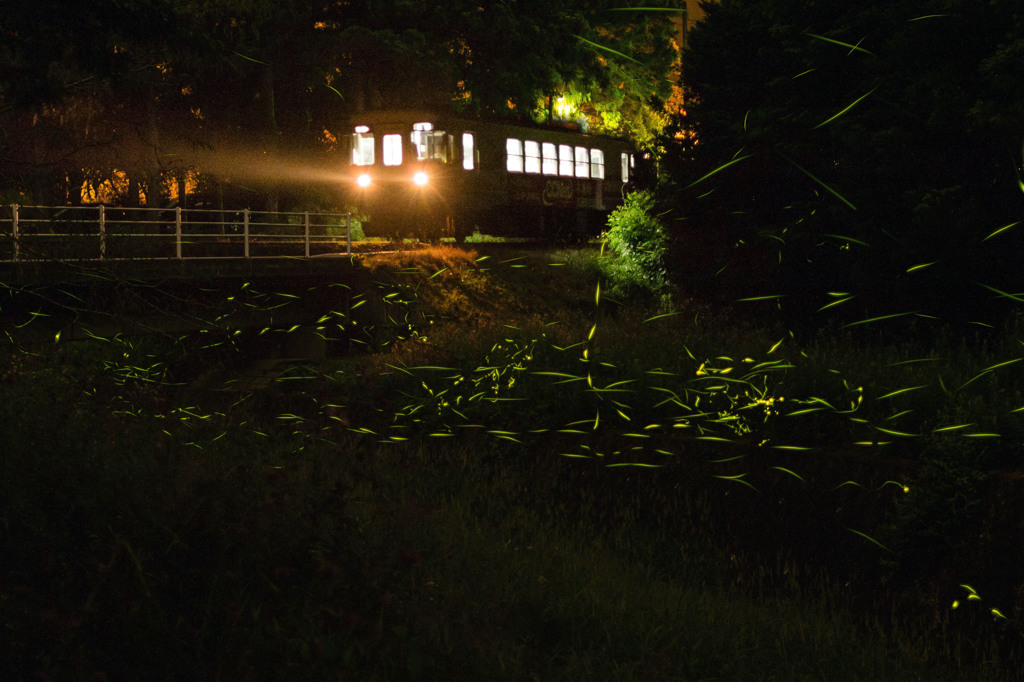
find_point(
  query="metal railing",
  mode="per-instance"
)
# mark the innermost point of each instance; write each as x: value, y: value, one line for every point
x: 83, y: 233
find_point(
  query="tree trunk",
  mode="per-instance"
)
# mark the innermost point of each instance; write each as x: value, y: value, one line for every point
x: 151, y: 161
x: 272, y: 142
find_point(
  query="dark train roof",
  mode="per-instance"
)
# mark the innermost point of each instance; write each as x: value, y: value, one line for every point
x: 379, y: 117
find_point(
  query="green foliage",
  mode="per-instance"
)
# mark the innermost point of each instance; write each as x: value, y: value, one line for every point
x: 638, y: 239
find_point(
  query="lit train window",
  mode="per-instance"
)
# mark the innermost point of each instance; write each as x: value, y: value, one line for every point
x: 392, y: 150
x: 362, y: 147
x: 550, y: 164
x: 597, y: 163
x: 582, y: 162
x: 565, y: 160
x: 627, y: 165
x: 514, y: 155
x: 429, y: 143
x: 468, y: 151
x: 532, y: 153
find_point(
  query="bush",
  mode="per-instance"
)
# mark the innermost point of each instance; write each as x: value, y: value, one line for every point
x: 638, y: 239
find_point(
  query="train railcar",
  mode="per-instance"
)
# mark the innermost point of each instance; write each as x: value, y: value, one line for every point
x: 431, y: 175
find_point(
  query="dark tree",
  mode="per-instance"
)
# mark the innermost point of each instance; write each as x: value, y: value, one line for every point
x: 78, y: 86
x: 144, y: 94
x: 874, y: 146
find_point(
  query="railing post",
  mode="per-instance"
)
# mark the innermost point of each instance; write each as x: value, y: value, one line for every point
x: 348, y: 234
x: 103, y: 232
x: 306, y: 214
x: 245, y: 230
x: 177, y: 232
x: 14, y: 231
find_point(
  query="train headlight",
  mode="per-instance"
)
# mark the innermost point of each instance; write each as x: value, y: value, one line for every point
x: 364, y: 180
x: 421, y: 178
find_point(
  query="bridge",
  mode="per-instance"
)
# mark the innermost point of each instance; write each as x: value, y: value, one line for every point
x: 85, y: 272
x: 51, y: 244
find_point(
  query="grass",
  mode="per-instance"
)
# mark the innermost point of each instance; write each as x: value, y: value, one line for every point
x: 410, y: 514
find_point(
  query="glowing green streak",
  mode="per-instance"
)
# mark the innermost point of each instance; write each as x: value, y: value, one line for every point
x: 606, y: 49
x: 717, y: 170
x: 875, y: 319
x: 870, y: 539
x: 902, y: 390
x: 1002, y: 229
x: 853, y: 48
x: 846, y: 109
x: 828, y: 189
x: 791, y: 473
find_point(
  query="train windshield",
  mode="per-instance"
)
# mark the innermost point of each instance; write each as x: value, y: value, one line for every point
x: 430, y: 144
x: 362, y: 147
x: 392, y: 150
x: 468, y: 151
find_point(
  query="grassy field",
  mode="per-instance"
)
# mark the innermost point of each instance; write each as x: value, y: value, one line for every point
x: 511, y: 466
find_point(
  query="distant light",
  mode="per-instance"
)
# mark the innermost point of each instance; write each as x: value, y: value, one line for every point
x: 564, y: 109
x: 420, y: 178
x: 364, y: 180
x: 362, y: 129
x: 423, y: 126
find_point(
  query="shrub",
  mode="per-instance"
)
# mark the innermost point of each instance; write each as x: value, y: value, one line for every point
x: 638, y: 239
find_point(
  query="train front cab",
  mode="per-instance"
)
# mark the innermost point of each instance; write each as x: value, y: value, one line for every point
x: 408, y: 173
